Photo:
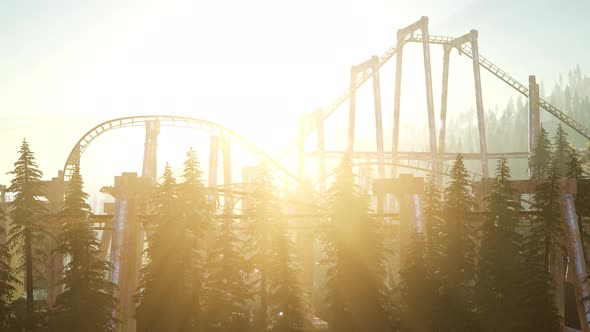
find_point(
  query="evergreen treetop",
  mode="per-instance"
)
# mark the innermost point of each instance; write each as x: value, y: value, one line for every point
x: 561, y: 153
x: 540, y: 156
x: 498, y: 275
x: 27, y: 234
x: 87, y: 302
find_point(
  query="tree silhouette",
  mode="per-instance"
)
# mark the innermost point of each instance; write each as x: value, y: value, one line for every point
x: 540, y: 157
x: 457, y: 237
x: 499, y: 265
x: 561, y: 151
x: 538, y: 287
x: 353, y: 244
x: 263, y: 212
x: 87, y: 302
x: 228, y: 289
x: 27, y: 234
x: 196, y: 226
x: 7, y: 281
x: 165, y: 293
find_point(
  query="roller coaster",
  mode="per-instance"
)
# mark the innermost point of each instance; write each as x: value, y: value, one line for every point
x: 126, y: 257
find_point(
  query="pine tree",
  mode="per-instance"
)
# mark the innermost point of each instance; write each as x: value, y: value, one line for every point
x: 540, y: 156
x: 541, y: 313
x: 27, y: 234
x: 546, y: 201
x: 87, y: 302
x: 164, y: 292
x: 419, y: 288
x: 287, y: 295
x: 420, y: 279
x: 353, y: 244
x: 263, y: 214
x: 228, y: 290
x: 7, y: 280
x: 434, y: 223
x: 561, y: 153
x: 499, y: 264
x: 459, y: 259
x: 197, y: 221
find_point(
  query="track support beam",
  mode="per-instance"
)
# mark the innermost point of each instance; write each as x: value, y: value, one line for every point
x: 577, y: 264
x: 397, y: 101
x: 534, y: 112
x: 213, y: 165
x: 443, y: 109
x: 319, y: 117
x: 479, y: 105
x: 150, y: 153
x: 429, y: 96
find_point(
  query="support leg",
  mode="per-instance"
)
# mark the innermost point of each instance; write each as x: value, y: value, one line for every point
x: 351, y: 111
x: 479, y: 104
x: 576, y: 258
x: 443, y: 110
x: 378, y: 118
x: 429, y: 97
x: 396, y: 102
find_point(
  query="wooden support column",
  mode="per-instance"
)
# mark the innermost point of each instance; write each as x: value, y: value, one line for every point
x: 443, y: 110
x: 429, y: 96
x: 321, y: 149
x: 213, y: 165
x: 534, y: 112
x: 351, y: 111
x: 479, y: 105
x: 301, y: 145
x: 227, y: 179
x: 397, y: 101
x: 378, y: 117
x: 130, y: 196
x: 150, y: 152
x: 576, y: 257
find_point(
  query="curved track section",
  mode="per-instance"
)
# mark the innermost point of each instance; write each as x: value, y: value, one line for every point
x: 169, y: 121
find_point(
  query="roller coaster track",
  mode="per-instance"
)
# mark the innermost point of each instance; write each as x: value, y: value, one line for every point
x: 169, y: 121
x: 512, y: 82
x: 310, y: 126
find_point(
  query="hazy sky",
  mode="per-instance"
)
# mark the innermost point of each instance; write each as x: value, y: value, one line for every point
x: 68, y: 65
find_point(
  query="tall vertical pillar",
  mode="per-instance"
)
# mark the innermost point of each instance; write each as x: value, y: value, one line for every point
x: 321, y: 149
x: 397, y: 101
x: 443, y: 109
x: 534, y: 112
x: 227, y: 180
x: 213, y: 165
x: 301, y: 145
x: 125, y: 258
x: 576, y: 258
x: 378, y: 117
x: 351, y: 111
x: 479, y: 105
x: 150, y: 152
x: 429, y: 96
